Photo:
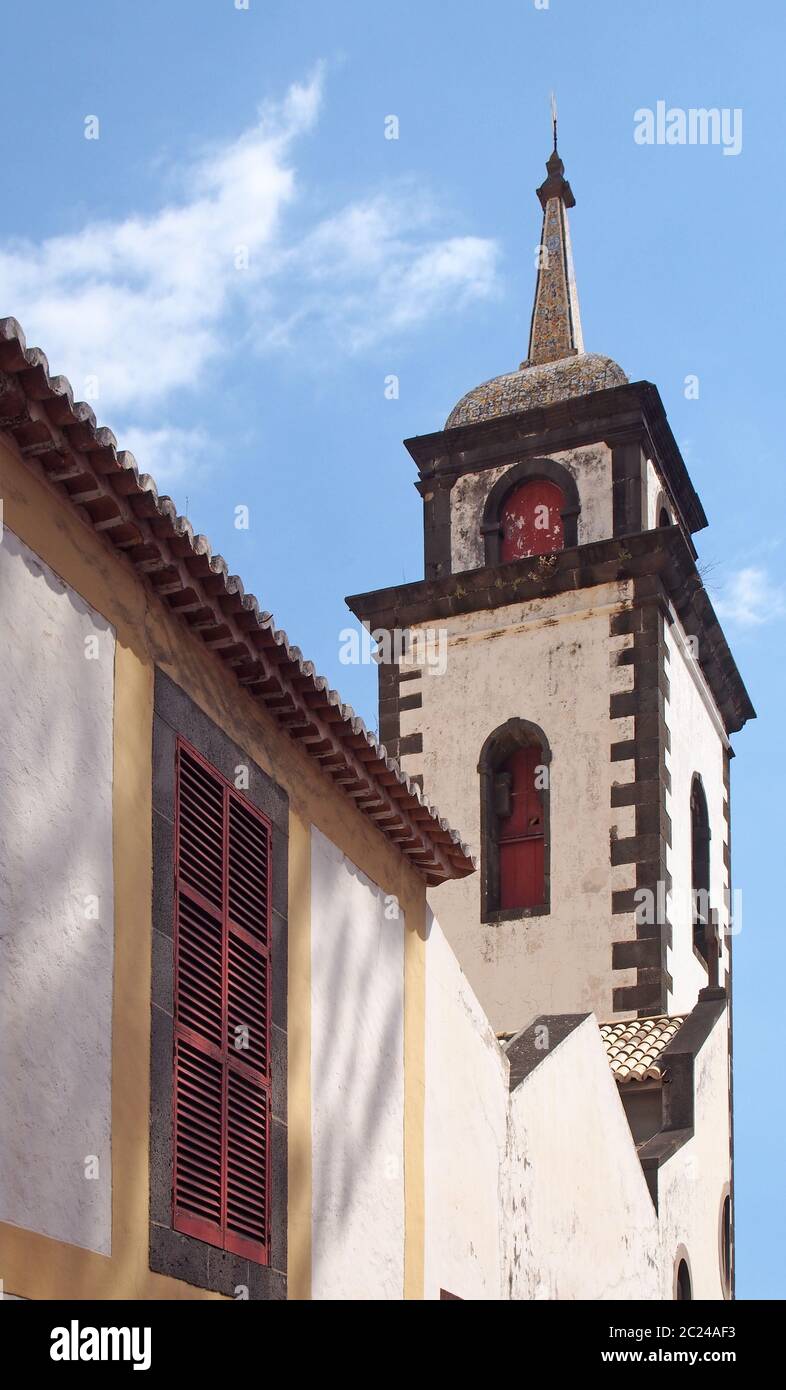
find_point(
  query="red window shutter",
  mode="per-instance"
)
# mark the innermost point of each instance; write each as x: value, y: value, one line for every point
x: 222, y: 1015
x: 532, y: 520
x: 521, y: 838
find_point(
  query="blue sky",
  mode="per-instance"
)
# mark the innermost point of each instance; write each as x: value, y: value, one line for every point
x: 241, y: 258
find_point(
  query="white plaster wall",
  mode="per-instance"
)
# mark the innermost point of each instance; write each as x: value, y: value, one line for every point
x: 548, y: 661
x: 578, y: 1220
x: 55, y: 854
x: 590, y: 466
x: 654, y: 488
x: 357, y: 1082
x: 466, y: 1121
x: 692, y: 1183
x: 697, y: 746
x: 539, y: 1193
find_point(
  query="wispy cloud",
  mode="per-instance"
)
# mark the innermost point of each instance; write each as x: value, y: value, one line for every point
x: 171, y: 454
x: 133, y: 310
x: 751, y: 599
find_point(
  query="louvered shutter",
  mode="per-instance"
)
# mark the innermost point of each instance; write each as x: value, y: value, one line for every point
x: 222, y: 992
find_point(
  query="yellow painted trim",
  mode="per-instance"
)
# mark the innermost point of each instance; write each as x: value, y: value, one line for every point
x: 414, y: 1102
x: 299, y: 1177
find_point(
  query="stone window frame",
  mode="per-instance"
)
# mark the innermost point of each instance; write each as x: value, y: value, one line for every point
x: 662, y: 505
x: 682, y: 1258
x: 528, y: 471
x: 514, y: 733
x: 170, y: 1252
x: 726, y: 1250
x: 697, y: 784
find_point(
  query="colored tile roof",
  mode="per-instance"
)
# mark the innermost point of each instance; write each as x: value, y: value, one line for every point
x: 59, y: 438
x: 540, y: 385
x: 634, y: 1048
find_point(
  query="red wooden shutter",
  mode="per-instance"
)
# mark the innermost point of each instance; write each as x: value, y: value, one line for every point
x: 222, y: 1023
x: 532, y: 520
x: 521, y: 840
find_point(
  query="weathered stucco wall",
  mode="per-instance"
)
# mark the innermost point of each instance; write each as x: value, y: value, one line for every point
x: 538, y: 1193
x: 547, y: 661
x: 591, y: 468
x: 56, y: 905
x: 697, y: 746
x: 578, y: 1218
x: 466, y: 1120
x: 357, y: 1082
x: 693, y: 1183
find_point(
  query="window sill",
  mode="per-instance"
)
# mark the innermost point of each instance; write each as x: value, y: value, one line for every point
x: 516, y: 914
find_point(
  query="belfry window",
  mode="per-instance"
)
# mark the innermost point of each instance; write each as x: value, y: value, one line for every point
x: 700, y: 865
x: 531, y: 520
x: 514, y: 784
x: 532, y: 509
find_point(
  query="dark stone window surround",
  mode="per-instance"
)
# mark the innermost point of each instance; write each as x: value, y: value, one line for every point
x: 701, y: 833
x: 181, y: 1256
x: 629, y: 419
x: 646, y: 620
x: 529, y: 470
x: 515, y: 733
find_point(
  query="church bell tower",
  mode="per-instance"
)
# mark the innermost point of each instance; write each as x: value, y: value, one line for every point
x: 566, y: 695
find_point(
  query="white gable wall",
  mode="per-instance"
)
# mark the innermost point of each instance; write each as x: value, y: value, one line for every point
x: 578, y: 1218
x: 466, y: 1124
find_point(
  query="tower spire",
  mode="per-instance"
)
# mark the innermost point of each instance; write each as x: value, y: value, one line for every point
x: 555, y: 331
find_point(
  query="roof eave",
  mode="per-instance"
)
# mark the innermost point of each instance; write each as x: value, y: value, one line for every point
x: 59, y: 439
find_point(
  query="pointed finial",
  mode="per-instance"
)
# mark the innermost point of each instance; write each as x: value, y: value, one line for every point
x: 556, y: 185
x: 555, y: 329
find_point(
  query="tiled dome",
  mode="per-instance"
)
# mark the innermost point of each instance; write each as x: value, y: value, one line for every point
x: 536, y: 386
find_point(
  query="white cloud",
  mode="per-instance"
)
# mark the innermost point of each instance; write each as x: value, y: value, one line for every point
x: 138, y: 303
x: 376, y: 270
x: 169, y: 454
x: 751, y: 599
x: 146, y: 304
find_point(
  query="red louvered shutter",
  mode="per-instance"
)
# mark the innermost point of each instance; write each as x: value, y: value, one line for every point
x: 222, y: 992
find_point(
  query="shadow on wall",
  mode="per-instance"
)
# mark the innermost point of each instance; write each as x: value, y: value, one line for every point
x: 56, y: 905
x: 357, y: 1080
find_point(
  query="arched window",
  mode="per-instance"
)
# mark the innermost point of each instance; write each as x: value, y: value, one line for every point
x: 683, y: 1287
x: 514, y: 790
x: 531, y: 520
x: 700, y: 865
x: 663, y: 511
x: 725, y: 1244
x: 533, y: 509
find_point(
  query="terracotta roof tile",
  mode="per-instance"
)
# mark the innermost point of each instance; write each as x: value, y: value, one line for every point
x: 633, y: 1048
x: 61, y: 439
